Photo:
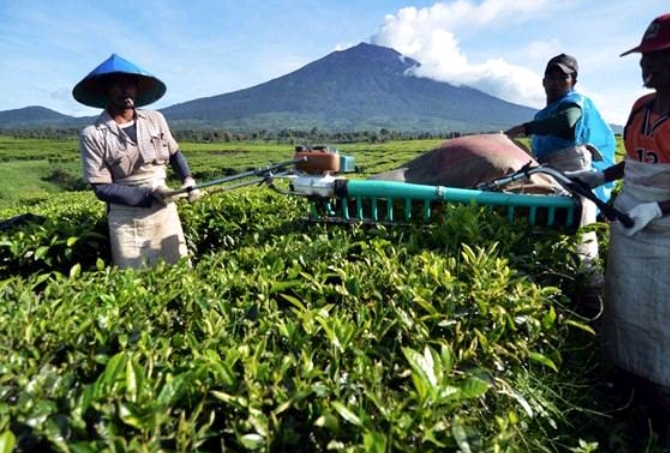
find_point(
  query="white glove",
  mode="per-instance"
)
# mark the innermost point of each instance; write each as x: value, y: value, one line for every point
x: 192, y: 194
x: 164, y: 195
x: 591, y: 178
x: 642, y: 214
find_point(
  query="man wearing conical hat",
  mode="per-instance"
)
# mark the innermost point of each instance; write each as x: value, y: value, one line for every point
x: 125, y: 154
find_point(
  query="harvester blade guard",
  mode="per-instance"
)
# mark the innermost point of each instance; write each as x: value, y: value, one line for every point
x: 393, y: 203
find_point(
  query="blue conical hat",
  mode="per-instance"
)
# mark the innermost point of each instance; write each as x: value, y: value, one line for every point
x: 92, y: 89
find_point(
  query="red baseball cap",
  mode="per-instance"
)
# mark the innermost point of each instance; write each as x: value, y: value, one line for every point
x: 657, y: 36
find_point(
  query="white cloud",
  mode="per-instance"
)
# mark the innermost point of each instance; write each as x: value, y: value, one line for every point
x: 500, y: 46
x: 429, y: 35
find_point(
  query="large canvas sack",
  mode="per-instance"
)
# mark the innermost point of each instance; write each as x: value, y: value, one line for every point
x: 635, y: 329
x: 464, y: 162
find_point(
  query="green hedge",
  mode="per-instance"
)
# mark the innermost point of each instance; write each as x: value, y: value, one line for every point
x: 289, y: 336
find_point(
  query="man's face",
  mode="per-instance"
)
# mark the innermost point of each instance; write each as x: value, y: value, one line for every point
x: 122, y: 91
x: 656, y: 69
x: 556, y: 83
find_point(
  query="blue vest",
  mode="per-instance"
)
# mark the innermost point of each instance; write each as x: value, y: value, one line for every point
x: 591, y: 128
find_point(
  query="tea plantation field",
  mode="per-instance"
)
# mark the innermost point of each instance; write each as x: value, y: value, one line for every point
x: 284, y: 335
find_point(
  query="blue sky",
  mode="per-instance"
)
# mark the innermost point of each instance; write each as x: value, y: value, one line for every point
x: 204, y: 48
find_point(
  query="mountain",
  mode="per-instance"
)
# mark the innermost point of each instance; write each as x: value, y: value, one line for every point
x: 36, y: 116
x: 365, y: 87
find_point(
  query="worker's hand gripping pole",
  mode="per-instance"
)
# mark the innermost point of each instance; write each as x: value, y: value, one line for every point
x: 573, y: 187
x: 262, y: 174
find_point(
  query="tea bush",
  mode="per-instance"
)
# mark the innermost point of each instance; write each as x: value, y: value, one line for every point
x: 287, y: 335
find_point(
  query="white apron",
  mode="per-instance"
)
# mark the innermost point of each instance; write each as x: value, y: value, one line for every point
x: 574, y: 159
x: 140, y: 237
x: 636, y: 321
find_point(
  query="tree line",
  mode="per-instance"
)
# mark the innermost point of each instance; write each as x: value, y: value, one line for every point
x: 289, y: 136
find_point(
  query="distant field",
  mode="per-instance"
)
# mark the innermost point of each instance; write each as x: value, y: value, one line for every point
x: 33, y: 168
x: 28, y: 165
x: 23, y: 179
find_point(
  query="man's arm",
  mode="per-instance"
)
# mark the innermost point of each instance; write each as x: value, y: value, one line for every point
x: 561, y: 124
x: 180, y: 165
x: 178, y: 160
x: 125, y: 195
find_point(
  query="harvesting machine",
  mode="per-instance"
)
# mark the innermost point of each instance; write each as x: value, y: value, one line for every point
x: 320, y: 174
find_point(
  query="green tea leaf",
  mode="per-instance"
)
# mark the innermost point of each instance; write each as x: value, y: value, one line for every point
x: 474, y: 387
x: 131, y: 382
x: 374, y: 442
x: 75, y: 270
x: 522, y: 401
x: 294, y: 301
x: 7, y: 442
x: 252, y: 441
x: 328, y: 421
x: 544, y: 360
x: 460, y: 435
x: 549, y: 319
x: 238, y: 401
x: 172, y: 390
x: 114, y: 371
x: 84, y: 447
x: 346, y: 414
x: 41, y: 252
x: 130, y: 417
x: 283, y: 286
x: 423, y: 367
x: 580, y: 325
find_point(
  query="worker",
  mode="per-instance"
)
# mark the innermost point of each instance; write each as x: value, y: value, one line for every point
x: 125, y: 154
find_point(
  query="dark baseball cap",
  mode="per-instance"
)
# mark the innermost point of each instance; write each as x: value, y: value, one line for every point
x: 655, y: 38
x: 566, y: 63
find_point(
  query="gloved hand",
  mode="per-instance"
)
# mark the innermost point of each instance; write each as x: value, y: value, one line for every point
x: 192, y: 194
x: 642, y: 214
x: 164, y: 195
x: 591, y: 178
